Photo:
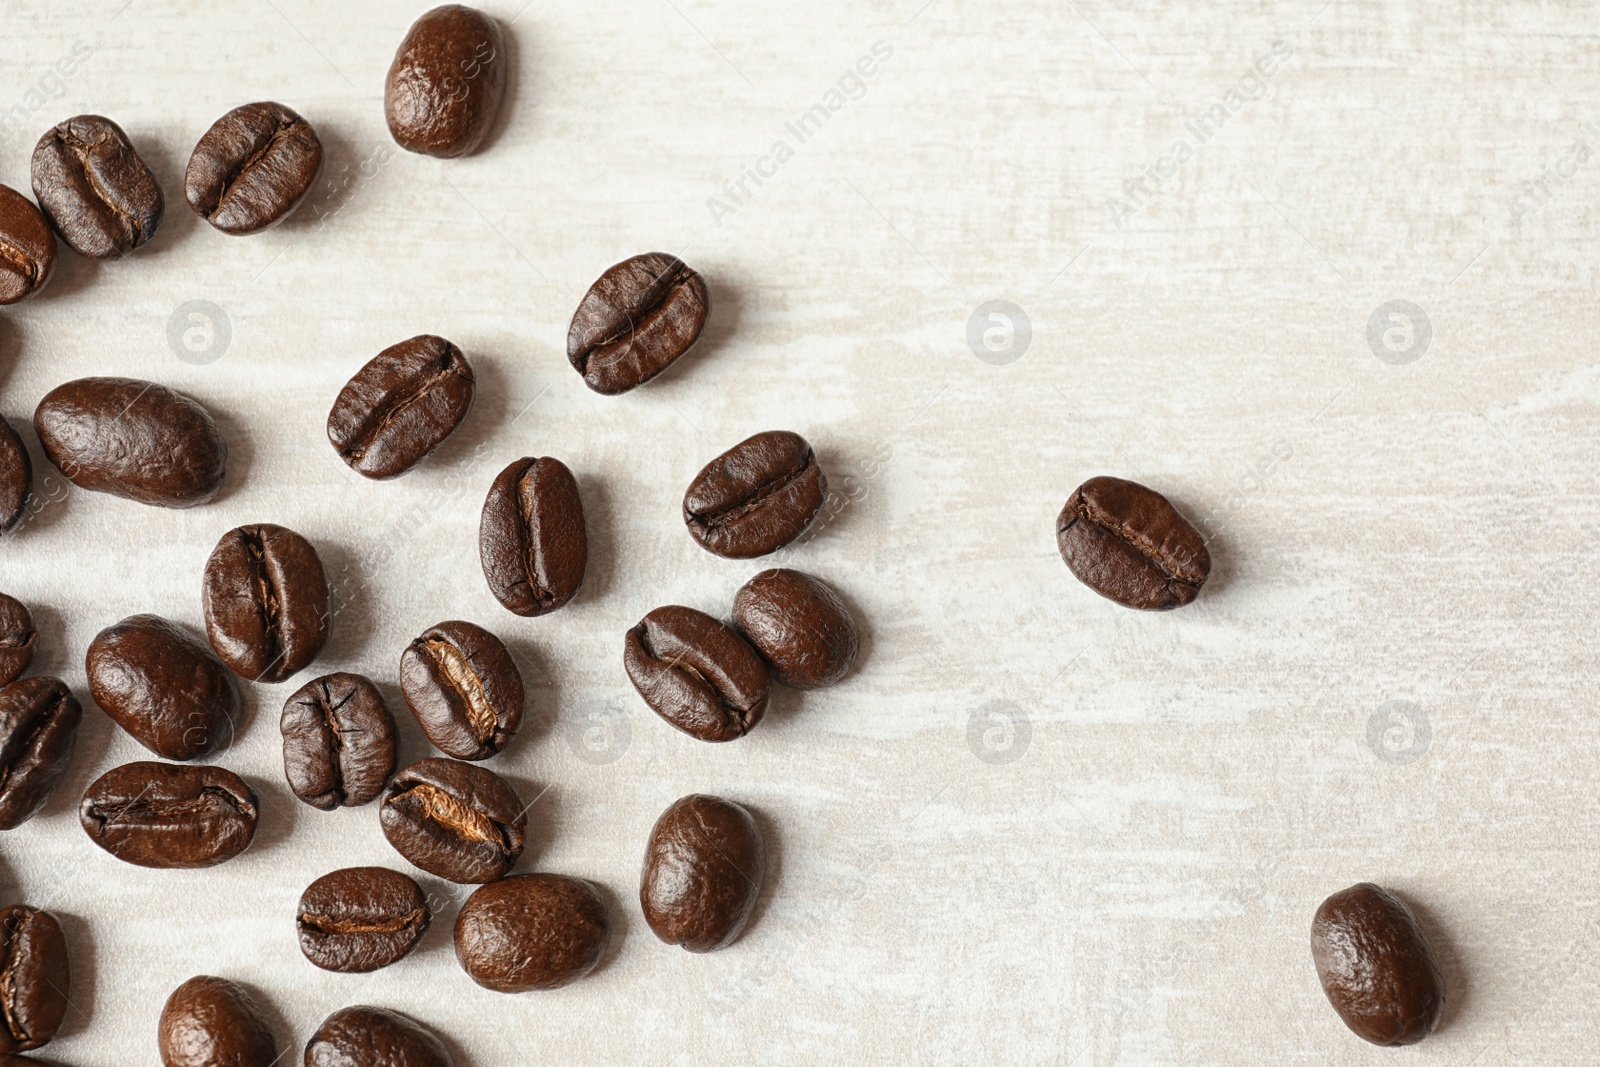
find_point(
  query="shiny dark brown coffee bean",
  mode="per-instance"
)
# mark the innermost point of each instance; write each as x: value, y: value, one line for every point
x: 696, y: 673
x: 169, y: 816
x: 800, y: 627
x: 212, y: 1022
x: 163, y: 687
x: 756, y: 497
x: 374, y: 1037
x: 531, y: 931
x: 132, y: 439
x: 38, y: 727
x: 635, y: 321
x: 702, y: 873
x: 531, y: 538
x: 94, y: 188
x: 445, y: 84
x: 35, y: 978
x: 455, y: 820
x: 464, y: 688
x: 266, y: 602
x: 338, y: 741
x: 401, y: 406
x: 1377, y: 966
x: 17, y: 638
x: 360, y: 919
x: 16, y: 477
x: 1129, y: 544
x: 252, y: 168
x: 27, y: 247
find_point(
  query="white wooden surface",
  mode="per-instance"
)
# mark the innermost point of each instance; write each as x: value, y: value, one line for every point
x: 1127, y: 874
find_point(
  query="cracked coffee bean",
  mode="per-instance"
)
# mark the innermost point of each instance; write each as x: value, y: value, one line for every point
x: 455, y: 820
x: 401, y: 406
x: 702, y: 873
x: 800, y: 627
x: 635, y: 321
x: 16, y: 477
x: 168, y: 816
x: 531, y: 931
x: 338, y: 741
x: 1129, y: 544
x: 374, y: 1037
x: 163, y: 687
x: 444, y: 86
x: 252, y: 168
x: 1376, y: 966
x: 212, y: 1022
x: 35, y: 978
x: 464, y: 688
x: 27, y: 247
x: 266, y: 602
x: 697, y: 673
x: 38, y: 728
x: 95, y: 190
x: 17, y: 638
x: 360, y: 919
x: 756, y: 497
x: 531, y: 538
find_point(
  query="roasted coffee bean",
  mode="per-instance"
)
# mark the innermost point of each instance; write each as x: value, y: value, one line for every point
x: 27, y: 247
x: 464, y: 688
x: 338, y: 741
x: 163, y: 687
x: 17, y: 638
x: 132, y: 439
x: 531, y: 538
x: 169, y: 816
x: 16, y: 476
x: 266, y: 602
x: 800, y: 627
x: 8, y: 1060
x: 455, y: 820
x: 531, y: 931
x: 445, y: 84
x: 35, y: 978
x: 401, y: 406
x: 38, y: 727
x: 635, y: 321
x: 252, y: 168
x: 702, y: 873
x: 94, y: 188
x: 1376, y: 966
x: 696, y: 673
x: 374, y: 1037
x: 360, y: 919
x: 212, y: 1022
x: 1129, y: 544
x: 756, y: 497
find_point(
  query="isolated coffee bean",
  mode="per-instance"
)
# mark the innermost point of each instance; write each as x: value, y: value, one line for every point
x: 212, y: 1022
x: 756, y: 497
x: 1376, y: 966
x: 635, y: 321
x: 464, y: 688
x: 455, y: 820
x: 1129, y: 544
x: 374, y: 1037
x: 35, y: 978
x: 444, y: 86
x: 163, y: 687
x: 702, y: 873
x: 16, y: 477
x: 800, y: 627
x: 266, y: 602
x: 401, y: 406
x: 94, y: 188
x: 17, y: 638
x: 531, y: 931
x: 132, y: 439
x: 697, y: 673
x: 38, y: 727
x: 338, y: 741
x: 252, y: 168
x: 169, y: 816
x: 531, y: 538
x: 360, y: 919
x: 27, y: 247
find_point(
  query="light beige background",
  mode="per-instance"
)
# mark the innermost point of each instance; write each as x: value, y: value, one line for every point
x: 1032, y: 827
